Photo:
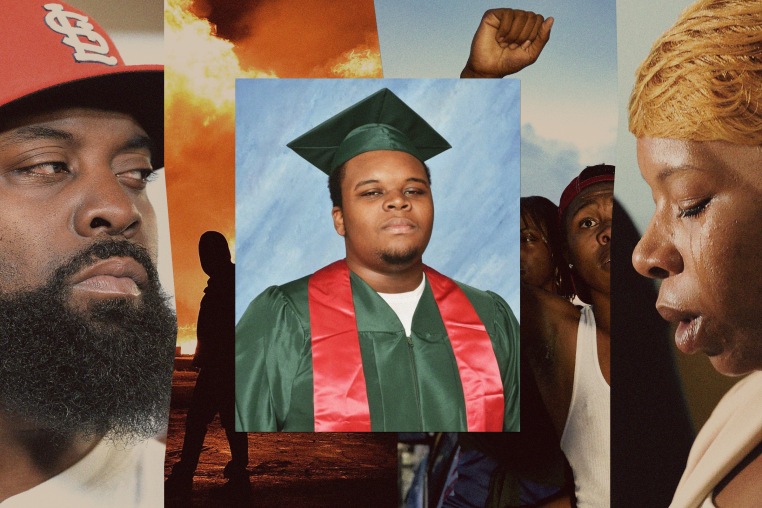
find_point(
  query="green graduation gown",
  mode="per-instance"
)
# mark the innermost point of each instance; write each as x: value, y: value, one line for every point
x: 413, y: 383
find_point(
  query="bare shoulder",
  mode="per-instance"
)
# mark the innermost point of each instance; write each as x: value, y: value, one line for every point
x: 546, y: 317
x: 548, y: 330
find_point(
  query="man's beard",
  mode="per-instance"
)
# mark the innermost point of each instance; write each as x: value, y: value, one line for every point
x: 398, y: 258
x: 105, y: 370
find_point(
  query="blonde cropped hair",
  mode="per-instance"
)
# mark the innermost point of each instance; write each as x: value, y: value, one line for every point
x: 702, y: 80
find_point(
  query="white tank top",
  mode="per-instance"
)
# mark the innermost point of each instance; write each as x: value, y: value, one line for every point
x: 587, y: 433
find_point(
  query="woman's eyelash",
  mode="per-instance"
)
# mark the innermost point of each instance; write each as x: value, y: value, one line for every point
x: 695, y: 210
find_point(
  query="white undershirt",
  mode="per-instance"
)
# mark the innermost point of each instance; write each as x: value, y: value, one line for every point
x: 113, y: 475
x: 586, y: 437
x: 404, y: 304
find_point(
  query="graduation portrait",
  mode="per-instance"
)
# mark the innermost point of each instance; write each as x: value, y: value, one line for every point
x: 358, y: 307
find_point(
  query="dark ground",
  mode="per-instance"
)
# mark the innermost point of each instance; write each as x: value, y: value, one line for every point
x: 290, y: 469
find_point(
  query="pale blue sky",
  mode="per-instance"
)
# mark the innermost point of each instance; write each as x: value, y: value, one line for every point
x: 568, y: 97
x: 283, y: 212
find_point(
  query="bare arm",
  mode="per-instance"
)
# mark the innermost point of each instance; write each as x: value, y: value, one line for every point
x: 549, y: 338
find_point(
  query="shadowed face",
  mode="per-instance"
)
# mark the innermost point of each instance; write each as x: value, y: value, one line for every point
x: 535, y: 260
x: 387, y: 210
x: 86, y: 333
x: 703, y: 243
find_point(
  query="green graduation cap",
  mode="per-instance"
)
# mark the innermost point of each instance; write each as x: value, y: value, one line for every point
x: 379, y: 122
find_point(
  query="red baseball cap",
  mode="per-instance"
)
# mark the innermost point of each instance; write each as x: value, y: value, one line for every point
x: 589, y: 176
x: 54, y: 55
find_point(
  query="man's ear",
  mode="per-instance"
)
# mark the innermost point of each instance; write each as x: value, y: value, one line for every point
x: 338, y: 220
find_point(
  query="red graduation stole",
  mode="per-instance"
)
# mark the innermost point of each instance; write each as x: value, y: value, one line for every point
x: 340, y: 396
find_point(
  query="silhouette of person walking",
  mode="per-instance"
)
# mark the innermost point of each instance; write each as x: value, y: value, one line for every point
x: 215, y: 386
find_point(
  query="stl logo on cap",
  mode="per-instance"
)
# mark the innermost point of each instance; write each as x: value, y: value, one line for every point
x: 97, y: 50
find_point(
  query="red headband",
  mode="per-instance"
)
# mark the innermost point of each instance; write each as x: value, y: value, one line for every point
x: 576, y: 186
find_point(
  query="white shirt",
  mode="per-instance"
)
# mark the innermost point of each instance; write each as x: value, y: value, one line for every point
x: 404, y: 304
x: 109, y: 476
x: 587, y: 434
x: 733, y: 430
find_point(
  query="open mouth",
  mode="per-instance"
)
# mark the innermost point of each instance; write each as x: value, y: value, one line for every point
x: 688, y: 329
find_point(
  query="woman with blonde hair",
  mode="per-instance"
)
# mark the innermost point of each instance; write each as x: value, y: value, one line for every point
x: 696, y: 110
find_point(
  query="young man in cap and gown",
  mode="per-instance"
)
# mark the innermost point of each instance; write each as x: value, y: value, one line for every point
x: 377, y: 341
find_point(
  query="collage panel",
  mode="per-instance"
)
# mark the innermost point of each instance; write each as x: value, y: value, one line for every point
x: 113, y: 269
x: 409, y: 371
x: 208, y: 45
x: 569, y: 111
x: 87, y: 332
x: 685, y: 288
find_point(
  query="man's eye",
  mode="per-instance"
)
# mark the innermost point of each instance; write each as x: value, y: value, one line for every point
x: 415, y: 192
x: 371, y: 193
x: 44, y: 169
x: 138, y: 177
x: 528, y: 238
x: 587, y: 223
x: 142, y: 174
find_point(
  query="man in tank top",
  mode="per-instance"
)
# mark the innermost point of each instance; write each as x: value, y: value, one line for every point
x: 569, y: 348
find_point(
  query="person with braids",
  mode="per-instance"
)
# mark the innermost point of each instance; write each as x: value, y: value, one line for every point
x: 541, y: 260
x: 696, y: 111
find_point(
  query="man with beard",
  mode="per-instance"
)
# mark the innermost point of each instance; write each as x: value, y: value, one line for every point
x: 377, y: 341
x: 86, y: 334
x: 568, y: 348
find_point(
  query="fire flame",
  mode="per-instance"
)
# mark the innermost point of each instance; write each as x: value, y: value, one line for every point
x: 186, y: 339
x: 198, y: 64
x: 358, y: 63
x: 200, y: 73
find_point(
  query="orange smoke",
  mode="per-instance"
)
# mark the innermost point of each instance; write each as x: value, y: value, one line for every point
x: 200, y: 74
x: 304, y: 38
